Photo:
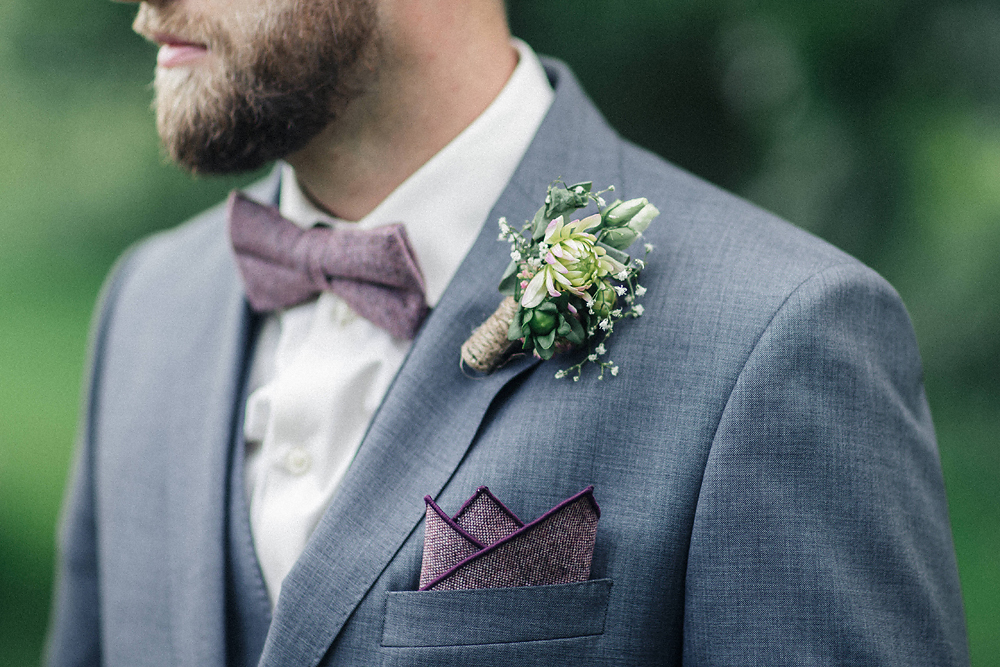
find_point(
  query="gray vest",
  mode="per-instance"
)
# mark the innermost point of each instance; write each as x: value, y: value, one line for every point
x: 248, y: 609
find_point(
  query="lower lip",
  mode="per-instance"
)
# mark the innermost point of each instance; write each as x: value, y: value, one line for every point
x: 175, y: 55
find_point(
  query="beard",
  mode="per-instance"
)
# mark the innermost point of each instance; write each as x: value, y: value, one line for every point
x: 274, y: 78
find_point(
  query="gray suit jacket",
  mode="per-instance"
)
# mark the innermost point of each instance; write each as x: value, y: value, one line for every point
x: 765, y: 463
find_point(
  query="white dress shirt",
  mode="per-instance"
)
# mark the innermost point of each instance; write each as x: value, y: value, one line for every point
x: 319, y: 371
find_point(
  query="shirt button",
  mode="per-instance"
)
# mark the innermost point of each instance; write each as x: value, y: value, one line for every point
x: 298, y: 461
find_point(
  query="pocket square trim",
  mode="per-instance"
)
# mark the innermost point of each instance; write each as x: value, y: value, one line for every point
x: 466, y: 514
x: 560, y: 558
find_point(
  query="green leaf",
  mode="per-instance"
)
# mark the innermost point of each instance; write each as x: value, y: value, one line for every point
x: 545, y: 342
x: 538, y: 224
x: 564, y: 326
x: 547, y: 307
x: 545, y: 352
x: 514, y: 331
x: 576, y: 334
x: 508, y: 282
x: 564, y: 201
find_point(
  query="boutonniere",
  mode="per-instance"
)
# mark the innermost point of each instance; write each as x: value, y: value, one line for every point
x: 569, y: 281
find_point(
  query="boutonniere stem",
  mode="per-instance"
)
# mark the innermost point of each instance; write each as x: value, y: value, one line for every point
x: 568, y: 282
x: 489, y: 342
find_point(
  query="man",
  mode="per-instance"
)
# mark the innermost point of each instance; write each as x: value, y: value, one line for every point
x: 249, y: 487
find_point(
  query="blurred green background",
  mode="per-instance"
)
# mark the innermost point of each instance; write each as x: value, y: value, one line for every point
x: 873, y: 124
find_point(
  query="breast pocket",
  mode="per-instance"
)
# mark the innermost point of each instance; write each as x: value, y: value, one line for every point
x: 495, y: 615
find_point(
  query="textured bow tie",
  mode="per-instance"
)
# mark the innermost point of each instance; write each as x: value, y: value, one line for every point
x: 375, y: 271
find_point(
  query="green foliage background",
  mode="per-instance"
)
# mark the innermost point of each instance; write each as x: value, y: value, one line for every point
x: 873, y: 123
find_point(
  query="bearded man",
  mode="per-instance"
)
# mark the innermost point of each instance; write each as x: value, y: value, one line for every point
x: 250, y: 479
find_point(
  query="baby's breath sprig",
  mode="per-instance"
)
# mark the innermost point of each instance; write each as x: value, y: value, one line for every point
x: 630, y: 292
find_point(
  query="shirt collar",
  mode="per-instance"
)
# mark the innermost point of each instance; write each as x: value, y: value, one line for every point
x: 445, y: 202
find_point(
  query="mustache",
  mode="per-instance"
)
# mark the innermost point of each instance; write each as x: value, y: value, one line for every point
x: 154, y: 23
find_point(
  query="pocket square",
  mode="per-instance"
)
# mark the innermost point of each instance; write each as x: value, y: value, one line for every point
x: 485, y: 545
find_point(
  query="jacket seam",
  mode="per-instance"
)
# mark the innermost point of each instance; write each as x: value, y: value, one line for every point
x: 763, y: 332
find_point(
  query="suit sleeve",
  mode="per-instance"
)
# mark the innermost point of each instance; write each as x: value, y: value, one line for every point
x: 74, y: 627
x: 821, y: 534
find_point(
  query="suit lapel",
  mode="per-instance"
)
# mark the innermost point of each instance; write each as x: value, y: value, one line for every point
x: 215, y: 357
x: 432, y: 412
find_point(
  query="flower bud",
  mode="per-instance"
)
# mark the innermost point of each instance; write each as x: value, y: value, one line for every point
x: 620, y: 237
x: 620, y: 214
x: 604, y: 299
x: 542, y: 322
x: 640, y: 221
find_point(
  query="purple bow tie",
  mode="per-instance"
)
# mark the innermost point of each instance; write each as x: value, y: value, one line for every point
x: 374, y: 271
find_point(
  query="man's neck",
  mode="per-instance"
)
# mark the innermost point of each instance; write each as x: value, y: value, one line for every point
x: 438, y: 71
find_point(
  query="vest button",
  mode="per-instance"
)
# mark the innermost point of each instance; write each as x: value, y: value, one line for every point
x: 298, y: 461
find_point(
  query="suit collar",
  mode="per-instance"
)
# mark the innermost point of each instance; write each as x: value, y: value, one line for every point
x: 432, y: 412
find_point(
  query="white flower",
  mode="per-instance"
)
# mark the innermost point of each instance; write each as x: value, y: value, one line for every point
x: 515, y: 255
x: 591, y: 357
x: 623, y: 276
x: 576, y: 378
x: 614, y: 370
x: 639, y: 290
x: 604, y: 324
x: 572, y: 261
x: 560, y: 374
x: 578, y: 190
x: 638, y: 310
x: 601, y: 202
x: 639, y: 264
x: 600, y: 349
x: 617, y: 312
x: 649, y: 247
x: 620, y: 290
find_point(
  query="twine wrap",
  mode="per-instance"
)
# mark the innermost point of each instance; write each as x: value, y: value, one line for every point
x: 485, y: 348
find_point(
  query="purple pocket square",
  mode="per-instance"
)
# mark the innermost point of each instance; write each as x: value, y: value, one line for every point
x: 485, y: 545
